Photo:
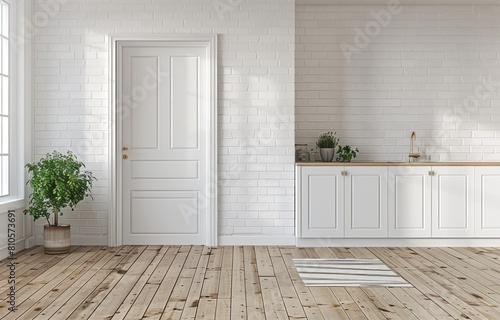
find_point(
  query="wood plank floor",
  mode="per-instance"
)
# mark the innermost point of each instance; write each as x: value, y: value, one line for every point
x: 196, y: 282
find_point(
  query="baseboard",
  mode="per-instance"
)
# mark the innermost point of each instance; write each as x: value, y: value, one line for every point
x: 290, y: 241
x: 223, y: 241
x: 20, y: 245
x: 256, y: 241
x: 30, y: 242
x: 89, y: 241
x: 399, y: 242
x: 82, y: 240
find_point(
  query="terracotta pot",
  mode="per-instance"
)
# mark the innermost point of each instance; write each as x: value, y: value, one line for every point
x: 56, y: 240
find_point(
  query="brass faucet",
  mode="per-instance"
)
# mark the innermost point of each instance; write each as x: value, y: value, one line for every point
x: 413, y: 155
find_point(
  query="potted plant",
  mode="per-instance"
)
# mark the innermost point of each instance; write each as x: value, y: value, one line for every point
x: 346, y: 153
x: 57, y: 182
x: 326, y: 144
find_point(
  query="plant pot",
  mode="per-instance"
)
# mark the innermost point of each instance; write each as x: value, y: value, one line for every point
x: 56, y: 240
x: 327, y: 154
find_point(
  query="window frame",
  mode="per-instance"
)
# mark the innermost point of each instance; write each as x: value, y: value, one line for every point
x: 11, y: 94
x: 19, y: 103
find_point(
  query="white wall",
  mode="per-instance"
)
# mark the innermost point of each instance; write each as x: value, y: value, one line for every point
x: 256, y: 96
x: 374, y: 74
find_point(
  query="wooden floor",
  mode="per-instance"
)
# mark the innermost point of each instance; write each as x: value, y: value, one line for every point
x: 194, y: 282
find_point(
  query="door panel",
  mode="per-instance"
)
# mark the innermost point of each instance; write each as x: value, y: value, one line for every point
x: 184, y: 120
x: 165, y: 86
x: 322, y: 202
x: 181, y: 212
x: 145, y: 110
x: 452, y: 198
x: 366, y: 202
x: 487, y: 202
x: 164, y: 169
x: 409, y: 192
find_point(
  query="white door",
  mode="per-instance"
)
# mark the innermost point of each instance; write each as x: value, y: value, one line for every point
x: 487, y: 201
x: 409, y: 191
x: 366, y: 202
x: 163, y: 105
x: 452, y: 202
x: 322, y: 202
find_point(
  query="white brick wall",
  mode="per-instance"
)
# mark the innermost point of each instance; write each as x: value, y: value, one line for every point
x: 416, y: 69
x: 415, y: 74
x: 256, y: 96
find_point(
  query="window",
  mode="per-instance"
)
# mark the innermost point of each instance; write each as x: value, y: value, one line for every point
x: 4, y: 99
x: 15, y: 128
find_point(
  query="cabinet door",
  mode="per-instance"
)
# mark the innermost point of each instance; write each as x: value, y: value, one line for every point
x: 409, y: 191
x: 366, y: 202
x: 452, y: 202
x: 487, y: 202
x: 321, y: 202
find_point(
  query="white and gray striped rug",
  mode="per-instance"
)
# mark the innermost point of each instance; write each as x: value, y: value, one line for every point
x: 347, y: 273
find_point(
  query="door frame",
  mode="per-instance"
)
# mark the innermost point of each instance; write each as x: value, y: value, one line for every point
x: 115, y: 237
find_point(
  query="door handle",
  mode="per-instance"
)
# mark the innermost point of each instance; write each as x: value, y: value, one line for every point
x: 124, y: 149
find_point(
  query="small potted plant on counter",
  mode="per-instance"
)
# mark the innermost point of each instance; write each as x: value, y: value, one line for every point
x: 326, y: 144
x: 57, y: 182
x: 346, y: 153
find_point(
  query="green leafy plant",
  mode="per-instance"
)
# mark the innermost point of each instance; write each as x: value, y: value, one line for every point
x: 327, y: 140
x: 346, y: 153
x: 57, y: 182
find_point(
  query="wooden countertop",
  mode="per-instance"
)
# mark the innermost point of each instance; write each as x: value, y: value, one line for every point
x: 395, y: 164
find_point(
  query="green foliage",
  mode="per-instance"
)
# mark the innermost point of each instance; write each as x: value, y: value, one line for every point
x: 57, y: 182
x: 346, y: 154
x: 327, y: 140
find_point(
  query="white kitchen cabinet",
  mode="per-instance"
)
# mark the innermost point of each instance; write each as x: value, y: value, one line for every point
x: 320, y: 202
x: 452, y: 202
x: 487, y: 202
x: 365, y: 202
x: 409, y: 193
x: 455, y: 201
x: 337, y: 201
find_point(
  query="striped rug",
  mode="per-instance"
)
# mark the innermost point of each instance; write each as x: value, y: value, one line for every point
x: 347, y: 273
